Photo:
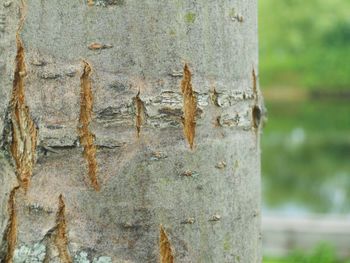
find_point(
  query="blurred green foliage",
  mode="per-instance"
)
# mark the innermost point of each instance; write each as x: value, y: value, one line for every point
x: 323, y: 253
x: 306, y: 142
x: 305, y: 43
x: 305, y: 48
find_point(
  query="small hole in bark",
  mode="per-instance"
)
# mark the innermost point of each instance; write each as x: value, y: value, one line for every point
x: 256, y: 116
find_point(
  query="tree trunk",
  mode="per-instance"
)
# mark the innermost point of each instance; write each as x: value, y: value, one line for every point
x: 130, y: 131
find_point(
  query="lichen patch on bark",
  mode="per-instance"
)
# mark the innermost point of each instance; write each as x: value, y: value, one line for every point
x: 189, y: 107
x: 61, y: 239
x: 87, y: 138
x: 166, y: 252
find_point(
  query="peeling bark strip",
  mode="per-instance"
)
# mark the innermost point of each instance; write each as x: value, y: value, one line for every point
x: 61, y: 239
x: 140, y: 113
x: 105, y: 3
x: 24, y: 131
x: 166, y: 252
x: 87, y: 138
x: 11, y: 229
x: 189, y: 106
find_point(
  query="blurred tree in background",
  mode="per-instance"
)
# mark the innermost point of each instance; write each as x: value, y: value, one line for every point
x: 305, y: 43
x: 305, y: 78
x: 305, y: 49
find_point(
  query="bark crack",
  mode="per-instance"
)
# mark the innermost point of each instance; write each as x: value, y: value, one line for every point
x: 166, y: 252
x: 24, y: 130
x: 214, y: 96
x: 98, y: 46
x: 189, y: 106
x: 87, y: 138
x: 256, y: 111
x: 11, y: 229
x: 140, y: 113
x: 61, y: 239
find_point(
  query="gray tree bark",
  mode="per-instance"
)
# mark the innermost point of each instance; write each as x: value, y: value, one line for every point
x: 130, y: 131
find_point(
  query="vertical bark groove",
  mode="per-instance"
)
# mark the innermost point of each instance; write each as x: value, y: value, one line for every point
x: 87, y: 138
x: 24, y: 130
x: 61, y: 239
x: 189, y: 106
x: 166, y: 252
x: 140, y: 112
x: 11, y: 229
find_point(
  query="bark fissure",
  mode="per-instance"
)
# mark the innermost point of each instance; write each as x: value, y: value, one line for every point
x: 11, y: 229
x: 214, y: 96
x: 189, y: 106
x: 61, y: 239
x: 140, y: 113
x: 166, y: 252
x: 24, y: 130
x: 87, y: 138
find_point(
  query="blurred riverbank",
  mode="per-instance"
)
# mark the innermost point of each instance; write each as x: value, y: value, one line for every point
x: 283, y: 235
x: 306, y: 174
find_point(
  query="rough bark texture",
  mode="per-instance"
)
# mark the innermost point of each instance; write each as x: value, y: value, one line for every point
x: 130, y: 131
